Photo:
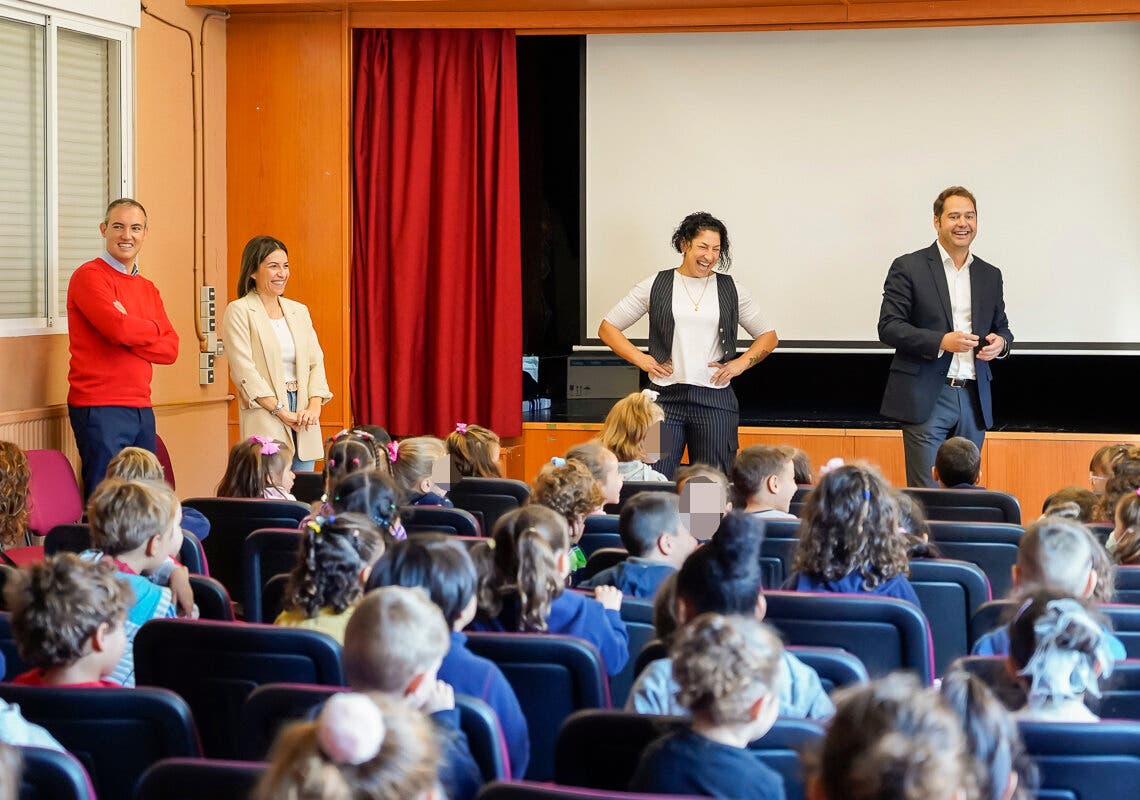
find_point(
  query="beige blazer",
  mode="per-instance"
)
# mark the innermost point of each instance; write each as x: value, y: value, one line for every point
x: 257, y: 370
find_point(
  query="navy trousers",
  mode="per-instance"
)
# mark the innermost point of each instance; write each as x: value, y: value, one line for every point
x: 705, y: 419
x: 102, y: 431
x: 957, y: 413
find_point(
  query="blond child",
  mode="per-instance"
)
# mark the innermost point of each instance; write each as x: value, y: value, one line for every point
x: 359, y: 746
x: 135, y: 526
x: 140, y: 464
x: 628, y: 430
x: 421, y: 469
x: 1058, y: 555
x: 727, y: 669
x: 394, y: 644
x: 68, y: 620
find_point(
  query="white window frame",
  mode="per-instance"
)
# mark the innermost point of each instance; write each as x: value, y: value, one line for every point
x: 114, y: 26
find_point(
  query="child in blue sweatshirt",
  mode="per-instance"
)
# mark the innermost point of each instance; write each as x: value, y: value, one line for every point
x: 849, y: 538
x: 441, y: 566
x: 658, y: 543
x: 523, y: 588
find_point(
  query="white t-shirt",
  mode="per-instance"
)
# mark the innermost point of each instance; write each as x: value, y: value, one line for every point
x: 696, y: 316
x: 288, y: 347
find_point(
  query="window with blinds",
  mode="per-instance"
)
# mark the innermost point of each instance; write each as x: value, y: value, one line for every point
x: 62, y: 158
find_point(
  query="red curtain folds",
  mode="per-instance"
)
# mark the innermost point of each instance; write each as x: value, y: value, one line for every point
x: 436, y: 271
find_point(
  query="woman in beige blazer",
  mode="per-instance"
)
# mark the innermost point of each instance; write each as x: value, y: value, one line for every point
x: 275, y: 360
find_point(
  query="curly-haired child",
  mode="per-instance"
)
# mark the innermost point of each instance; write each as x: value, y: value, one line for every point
x: 474, y: 452
x: 568, y: 488
x: 727, y: 669
x: 68, y: 620
x: 603, y: 465
x: 524, y: 589
x: 333, y: 563
x: 14, y: 511
x: 626, y: 432
x: 258, y: 467
x: 849, y: 538
x: 359, y: 746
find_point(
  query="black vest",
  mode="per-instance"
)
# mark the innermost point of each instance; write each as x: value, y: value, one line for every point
x: 661, y: 316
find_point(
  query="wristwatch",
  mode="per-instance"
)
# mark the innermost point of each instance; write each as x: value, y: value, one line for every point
x: 277, y: 410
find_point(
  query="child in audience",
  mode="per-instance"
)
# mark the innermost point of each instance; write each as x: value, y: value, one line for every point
x: 1103, y: 463
x: 892, y: 739
x: 349, y: 451
x: 140, y: 464
x: 914, y: 527
x: 1124, y: 542
x: 333, y: 563
x: 728, y: 672
x: 474, y: 452
x: 442, y: 566
x: 1053, y: 554
x: 603, y: 465
x: 723, y: 577
x: 686, y: 472
x: 1061, y: 503
x: 1003, y: 769
x: 1125, y: 479
x: 849, y: 539
x: 571, y: 490
x: 374, y: 494
x: 419, y: 465
x: 625, y: 432
x: 68, y: 621
x: 395, y: 643
x: 957, y: 464
x: 14, y: 477
x: 658, y: 542
x: 704, y: 493
x: 764, y: 481
x: 525, y: 588
x: 1059, y: 652
x: 136, y: 526
x: 664, y: 608
x: 360, y: 745
x: 802, y: 464
x: 258, y: 467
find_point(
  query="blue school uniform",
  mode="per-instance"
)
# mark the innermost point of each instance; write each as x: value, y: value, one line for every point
x: 479, y: 677
x: 429, y: 499
x: 688, y: 763
x: 852, y: 583
x: 637, y: 577
x: 572, y: 614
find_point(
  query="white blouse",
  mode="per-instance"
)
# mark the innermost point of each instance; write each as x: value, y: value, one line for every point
x: 288, y: 347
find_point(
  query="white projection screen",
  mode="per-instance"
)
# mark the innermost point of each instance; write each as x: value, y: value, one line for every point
x: 823, y: 151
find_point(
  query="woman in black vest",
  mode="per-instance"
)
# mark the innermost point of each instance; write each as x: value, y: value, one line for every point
x: 694, y: 311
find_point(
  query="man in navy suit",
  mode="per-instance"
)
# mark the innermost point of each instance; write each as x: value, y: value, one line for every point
x: 944, y: 313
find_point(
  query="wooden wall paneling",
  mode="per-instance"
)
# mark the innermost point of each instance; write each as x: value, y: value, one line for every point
x: 287, y: 159
x: 543, y: 443
x: 820, y: 445
x: 883, y: 449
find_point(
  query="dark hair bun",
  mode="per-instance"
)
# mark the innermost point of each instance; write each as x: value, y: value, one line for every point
x: 738, y: 539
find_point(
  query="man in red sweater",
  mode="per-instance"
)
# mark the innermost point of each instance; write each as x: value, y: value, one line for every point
x: 118, y: 329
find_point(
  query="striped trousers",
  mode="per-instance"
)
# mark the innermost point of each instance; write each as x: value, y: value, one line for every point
x: 705, y: 419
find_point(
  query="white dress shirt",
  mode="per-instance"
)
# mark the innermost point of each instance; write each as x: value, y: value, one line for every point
x: 961, y: 311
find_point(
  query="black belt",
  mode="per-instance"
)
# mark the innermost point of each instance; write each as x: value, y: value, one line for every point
x: 960, y: 383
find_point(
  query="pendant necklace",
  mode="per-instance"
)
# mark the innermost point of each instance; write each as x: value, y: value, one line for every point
x: 696, y: 303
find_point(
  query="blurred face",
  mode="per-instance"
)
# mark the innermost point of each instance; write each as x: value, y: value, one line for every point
x: 272, y: 274
x: 958, y: 224
x: 287, y: 479
x: 613, y: 481
x: 701, y: 254
x: 124, y: 232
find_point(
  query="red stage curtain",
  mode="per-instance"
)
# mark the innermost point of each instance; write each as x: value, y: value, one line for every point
x: 436, y: 272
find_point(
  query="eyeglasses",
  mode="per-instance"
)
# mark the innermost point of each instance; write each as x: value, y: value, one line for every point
x: 1095, y: 479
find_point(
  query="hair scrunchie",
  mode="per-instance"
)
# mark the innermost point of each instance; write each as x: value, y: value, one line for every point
x: 350, y: 729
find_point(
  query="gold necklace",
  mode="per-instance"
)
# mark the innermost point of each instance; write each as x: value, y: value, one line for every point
x: 696, y: 303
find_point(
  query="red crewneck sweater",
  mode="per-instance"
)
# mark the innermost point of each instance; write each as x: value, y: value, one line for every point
x: 112, y: 352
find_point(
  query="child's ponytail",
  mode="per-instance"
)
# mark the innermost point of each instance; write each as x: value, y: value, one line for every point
x: 539, y: 580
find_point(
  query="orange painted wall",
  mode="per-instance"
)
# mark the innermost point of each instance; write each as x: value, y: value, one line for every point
x: 191, y: 418
x: 288, y: 168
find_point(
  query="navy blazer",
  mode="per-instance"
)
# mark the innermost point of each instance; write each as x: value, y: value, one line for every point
x: 916, y: 315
